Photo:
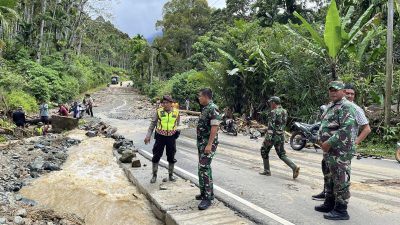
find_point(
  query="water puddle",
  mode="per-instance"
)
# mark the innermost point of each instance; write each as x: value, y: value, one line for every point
x: 92, y: 186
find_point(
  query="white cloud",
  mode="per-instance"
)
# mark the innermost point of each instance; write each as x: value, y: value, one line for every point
x: 140, y: 16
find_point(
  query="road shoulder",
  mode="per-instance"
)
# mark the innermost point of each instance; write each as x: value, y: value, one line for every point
x: 173, y: 202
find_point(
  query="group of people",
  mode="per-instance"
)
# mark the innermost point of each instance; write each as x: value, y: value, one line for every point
x: 338, y: 136
x: 19, y: 116
x: 165, y: 123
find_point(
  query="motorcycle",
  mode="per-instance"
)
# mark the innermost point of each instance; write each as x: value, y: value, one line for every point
x: 397, y: 155
x: 228, y: 126
x: 304, y: 133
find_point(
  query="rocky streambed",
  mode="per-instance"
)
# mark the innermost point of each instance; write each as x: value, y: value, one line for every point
x: 23, y: 161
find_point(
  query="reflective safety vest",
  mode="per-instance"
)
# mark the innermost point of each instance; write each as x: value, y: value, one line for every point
x: 167, y: 122
x: 39, y: 131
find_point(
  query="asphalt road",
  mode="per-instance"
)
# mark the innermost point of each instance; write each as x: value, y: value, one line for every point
x: 375, y: 183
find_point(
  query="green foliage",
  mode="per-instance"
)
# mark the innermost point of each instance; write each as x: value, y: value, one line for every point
x: 8, y: 3
x: 333, y: 31
x: 2, y: 139
x: 19, y: 98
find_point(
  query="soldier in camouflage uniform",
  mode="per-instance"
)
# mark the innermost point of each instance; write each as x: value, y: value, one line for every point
x: 207, y: 142
x: 337, y: 141
x: 275, y: 137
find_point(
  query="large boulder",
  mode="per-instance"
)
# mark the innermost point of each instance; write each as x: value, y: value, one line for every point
x: 62, y: 123
x: 123, y: 142
x: 127, y: 156
x: 36, y: 165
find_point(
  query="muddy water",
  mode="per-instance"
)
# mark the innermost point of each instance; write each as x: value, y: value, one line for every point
x: 92, y: 186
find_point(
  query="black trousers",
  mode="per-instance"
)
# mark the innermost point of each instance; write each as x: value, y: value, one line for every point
x: 168, y: 142
x: 90, y: 111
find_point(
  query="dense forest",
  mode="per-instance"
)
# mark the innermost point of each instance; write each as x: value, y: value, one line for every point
x: 53, y: 50
x: 247, y: 52
x: 253, y: 49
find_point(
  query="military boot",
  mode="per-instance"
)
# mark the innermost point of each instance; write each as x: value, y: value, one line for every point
x: 171, y: 172
x: 319, y: 197
x: 338, y: 213
x: 266, y: 168
x: 329, y: 205
x: 290, y: 163
x: 155, y: 169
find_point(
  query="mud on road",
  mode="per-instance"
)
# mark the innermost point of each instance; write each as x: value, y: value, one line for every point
x: 375, y: 192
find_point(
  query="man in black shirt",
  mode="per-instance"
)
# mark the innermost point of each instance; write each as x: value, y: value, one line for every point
x: 19, y: 117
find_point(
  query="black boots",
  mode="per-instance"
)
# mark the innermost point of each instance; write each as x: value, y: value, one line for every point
x: 201, y: 197
x: 338, y: 213
x: 171, y: 172
x: 266, y: 171
x: 329, y: 205
x: 155, y: 169
x: 204, y: 204
x: 319, y: 197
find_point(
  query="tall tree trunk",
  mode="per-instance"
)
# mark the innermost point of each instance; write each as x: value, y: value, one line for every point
x: 42, y: 23
x: 334, y: 72
x: 389, y: 64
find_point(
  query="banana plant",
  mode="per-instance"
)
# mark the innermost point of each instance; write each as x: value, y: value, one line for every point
x: 336, y: 40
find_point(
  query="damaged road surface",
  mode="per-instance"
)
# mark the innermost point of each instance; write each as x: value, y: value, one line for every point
x: 92, y: 186
x: 266, y: 200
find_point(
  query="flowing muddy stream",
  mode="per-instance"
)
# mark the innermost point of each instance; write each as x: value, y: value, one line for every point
x: 92, y: 186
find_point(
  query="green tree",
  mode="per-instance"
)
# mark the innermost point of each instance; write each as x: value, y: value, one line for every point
x: 335, y: 39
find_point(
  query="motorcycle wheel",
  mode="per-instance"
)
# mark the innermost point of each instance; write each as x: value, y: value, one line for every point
x: 398, y: 155
x: 234, y: 130
x: 222, y: 127
x: 298, y: 141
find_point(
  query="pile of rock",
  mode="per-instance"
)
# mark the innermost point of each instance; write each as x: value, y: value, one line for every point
x: 127, y: 150
x: 95, y: 128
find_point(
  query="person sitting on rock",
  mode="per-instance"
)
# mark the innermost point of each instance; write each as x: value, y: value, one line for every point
x: 39, y: 130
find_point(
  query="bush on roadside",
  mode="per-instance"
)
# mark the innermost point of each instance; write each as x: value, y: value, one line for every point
x: 19, y: 98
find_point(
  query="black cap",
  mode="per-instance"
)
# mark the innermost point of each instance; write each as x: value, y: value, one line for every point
x: 167, y: 98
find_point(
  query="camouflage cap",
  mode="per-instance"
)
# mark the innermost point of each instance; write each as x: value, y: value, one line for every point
x: 275, y: 99
x: 338, y: 85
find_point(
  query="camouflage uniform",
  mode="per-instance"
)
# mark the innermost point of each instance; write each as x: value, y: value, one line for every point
x: 275, y: 136
x: 209, y: 117
x: 337, y: 126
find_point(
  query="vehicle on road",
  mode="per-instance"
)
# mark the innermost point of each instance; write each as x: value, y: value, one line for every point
x: 114, y: 79
x: 304, y: 133
x: 398, y: 152
x: 228, y: 126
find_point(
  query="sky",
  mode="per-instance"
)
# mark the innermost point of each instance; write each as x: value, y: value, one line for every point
x: 140, y: 16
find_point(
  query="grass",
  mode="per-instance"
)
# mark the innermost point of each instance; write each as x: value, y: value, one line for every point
x: 2, y: 139
x: 384, y: 150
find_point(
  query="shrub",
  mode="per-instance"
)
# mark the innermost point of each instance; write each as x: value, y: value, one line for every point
x: 20, y: 98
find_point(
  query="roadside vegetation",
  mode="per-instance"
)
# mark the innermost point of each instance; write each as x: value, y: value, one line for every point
x: 53, y: 51
x: 252, y: 50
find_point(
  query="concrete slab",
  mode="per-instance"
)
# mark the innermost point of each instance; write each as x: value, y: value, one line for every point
x: 173, y: 202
